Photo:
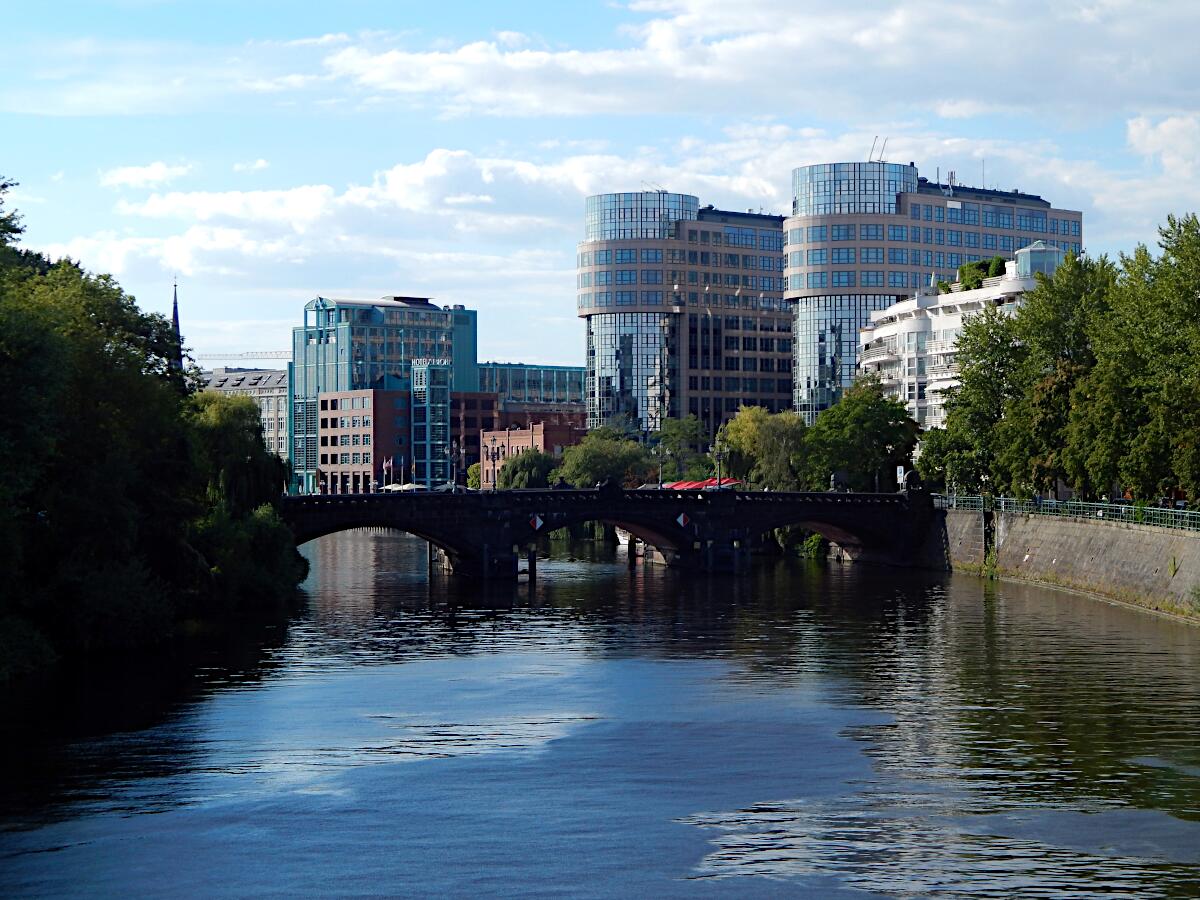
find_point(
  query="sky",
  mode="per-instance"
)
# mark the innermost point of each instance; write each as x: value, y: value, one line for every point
x: 264, y: 153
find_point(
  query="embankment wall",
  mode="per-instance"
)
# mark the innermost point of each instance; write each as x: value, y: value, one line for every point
x: 1152, y: 567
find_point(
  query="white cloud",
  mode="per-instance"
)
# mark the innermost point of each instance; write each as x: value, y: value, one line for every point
x: 1174, y: 140
x: 257, y: 166
x: 143, y: 176
x: 297, y: 208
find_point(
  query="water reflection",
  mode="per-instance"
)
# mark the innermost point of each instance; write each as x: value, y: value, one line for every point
x: 836, y: 727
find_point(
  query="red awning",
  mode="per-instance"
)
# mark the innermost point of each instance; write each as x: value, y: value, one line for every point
x: 701, y: 485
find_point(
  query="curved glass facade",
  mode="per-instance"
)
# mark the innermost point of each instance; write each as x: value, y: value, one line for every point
x: 858, y: 187
x: 825, y: 347
x: 632, y: 364
x: 646, y: 214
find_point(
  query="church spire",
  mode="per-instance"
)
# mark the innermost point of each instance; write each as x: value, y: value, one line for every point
x: 177, y: 359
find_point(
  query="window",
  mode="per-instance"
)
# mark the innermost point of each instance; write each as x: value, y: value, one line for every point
x: 955, y: 237
x: 843, y: 232
x: 651, y: 276
x: 843, y: 256
x: 898, y: 279
x: 796, y: 235
x: 817, y: 279
x: 818, y: 257
x: 652, y: 256
x: 871, y: 233
x: 872, y: 279
x: 626, y: 256
x: 817, y: 233
x: 870, y: 254
x: 989, y: 241
x: 653, y: 298
x: 603, y: 257
x: 914, y: 211
x: 843, y: 279
x: 626, y: 298
x: 972, y: 238
x: 897, y: 232
x: 898, y: 256
x: 626, y: 276
x: 939, y: 214
x: 345, y: 459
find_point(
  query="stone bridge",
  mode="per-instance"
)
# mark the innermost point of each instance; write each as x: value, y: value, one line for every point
x: 482, y: 534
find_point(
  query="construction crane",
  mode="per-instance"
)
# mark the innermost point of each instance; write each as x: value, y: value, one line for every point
x: 254, y: 354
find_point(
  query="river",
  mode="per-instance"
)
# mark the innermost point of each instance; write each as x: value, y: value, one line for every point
x: 809, y: 730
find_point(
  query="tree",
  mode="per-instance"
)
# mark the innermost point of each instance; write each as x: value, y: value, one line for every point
x: 1054, y: 327
x: 530, y: 469
x: 598, y: 457
x: 126, y: 504
x: 741, y: 438
x: 989, y: 356
x: 474, y: 476
x: 781, y: 450
x: 679, y: 446
x: 865, y: 434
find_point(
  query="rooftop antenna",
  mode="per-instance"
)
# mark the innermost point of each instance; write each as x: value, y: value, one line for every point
x: 983, y: 172
x: 883, y: 149
x: 871, y: 155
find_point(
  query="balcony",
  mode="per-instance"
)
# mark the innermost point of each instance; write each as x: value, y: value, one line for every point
x: 877, y: 354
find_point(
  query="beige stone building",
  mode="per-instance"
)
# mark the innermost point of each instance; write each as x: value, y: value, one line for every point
x: 267, y: 388
x: 684, y: 310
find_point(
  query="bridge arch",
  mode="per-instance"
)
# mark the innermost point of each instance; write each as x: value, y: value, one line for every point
x: 482, y: 533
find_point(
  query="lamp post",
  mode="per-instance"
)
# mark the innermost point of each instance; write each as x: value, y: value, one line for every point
x: 718, y: 453
x: 495, y: 455
x: 659, y: 453
x: 452, y: 464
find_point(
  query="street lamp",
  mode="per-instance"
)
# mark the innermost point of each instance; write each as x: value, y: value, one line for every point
x: 659, y: 452
x: 718, y: 453
x: 494, y: 454
x: 452, y: 465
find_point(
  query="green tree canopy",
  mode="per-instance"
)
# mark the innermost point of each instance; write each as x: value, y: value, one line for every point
x: 598, y: 457
x: 126, y: 503
x: 530, y: 469
x: 679, y: 447
x: 865, y: 434
x: 741, y: 438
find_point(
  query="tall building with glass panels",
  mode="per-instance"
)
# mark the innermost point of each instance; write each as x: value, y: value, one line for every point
x: 864, y: 235
x: 684, y: 310
x: 356, y: 345
x: 528, y: 383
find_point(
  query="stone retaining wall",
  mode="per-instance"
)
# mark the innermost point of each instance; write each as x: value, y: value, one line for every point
x: 1140, y: 564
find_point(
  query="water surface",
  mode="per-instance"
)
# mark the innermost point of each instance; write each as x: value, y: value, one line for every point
x: 809, y: 730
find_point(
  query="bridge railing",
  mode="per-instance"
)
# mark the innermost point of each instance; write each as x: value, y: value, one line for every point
x: 1138, y: 514
x: 532, y: 497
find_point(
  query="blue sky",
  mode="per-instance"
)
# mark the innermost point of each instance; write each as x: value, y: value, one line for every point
x: 267, y: 152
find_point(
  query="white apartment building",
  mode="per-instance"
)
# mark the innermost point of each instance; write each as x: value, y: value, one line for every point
x: 912, y: 345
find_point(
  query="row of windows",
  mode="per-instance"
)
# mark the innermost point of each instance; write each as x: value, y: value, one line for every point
x: 629, y: 276
x: 346, y: 422
x: 346, y: 403
x: 346, y: 440
x: 738, y: 237
x: 694, y: 298
x: 898, y: 256
x: 904, y: 233
x: 589, y: 258
x: 345, y: 459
